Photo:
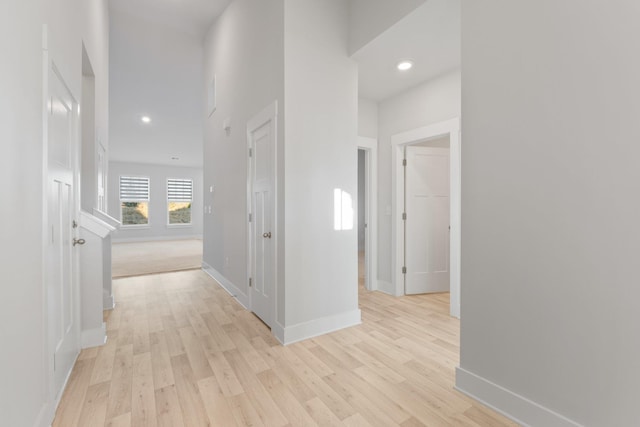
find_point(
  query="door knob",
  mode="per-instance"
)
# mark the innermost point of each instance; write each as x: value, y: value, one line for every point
x: 79, y: 242
x: 267, y: 235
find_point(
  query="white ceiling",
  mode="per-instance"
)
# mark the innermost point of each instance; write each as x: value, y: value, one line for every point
x: 191, y: 16
x: 430, y: 36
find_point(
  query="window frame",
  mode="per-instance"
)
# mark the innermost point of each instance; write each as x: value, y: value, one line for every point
x: 131, y: 200
x: 168, y: 212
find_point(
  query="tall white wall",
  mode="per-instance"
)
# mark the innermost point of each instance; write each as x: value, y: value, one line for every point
x: 24, y: 400
x: 369, y: 18
x: 158, y: 228
x: 321, y: 125
x: 550, y: 236
x: 244, y: 49
x: 367, y: 118
x: 21, y: 319
x: 432, y: 102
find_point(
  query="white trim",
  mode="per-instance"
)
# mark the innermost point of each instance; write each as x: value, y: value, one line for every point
x: 94, y: 337
x: 449, y: 128
x: 106, y: 218
x: 108, y: 302
x: 386, y: 287
x: 155, y: 238
x: 95, y: 225
x: 135, y: 226
x: 518, y: 408
x: 268, y: 114
x: 227, y: 285
x: 316, y: 327
x: 370, y: 146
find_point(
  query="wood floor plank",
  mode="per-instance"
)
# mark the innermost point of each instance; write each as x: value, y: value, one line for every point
x: 143, y: 405
x: 215, y: 402
x: 121, y: 383
x: 197, y: 359
x: 321, y: 414
x: 160, y: 361
x: 123, y: 420
x: 94, y: 408
x: 168, y: 410
x: 191, y: 403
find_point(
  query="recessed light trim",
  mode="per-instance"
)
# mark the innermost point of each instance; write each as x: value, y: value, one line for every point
x: 145, y: 119
x: 405, y: 65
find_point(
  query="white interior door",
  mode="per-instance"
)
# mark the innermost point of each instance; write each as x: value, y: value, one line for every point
x: 62, y: 295
x: 427, y: 220
x: 262, y: 146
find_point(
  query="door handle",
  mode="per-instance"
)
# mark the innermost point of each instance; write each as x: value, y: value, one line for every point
x: 267, y: 235
x: 79, y: 242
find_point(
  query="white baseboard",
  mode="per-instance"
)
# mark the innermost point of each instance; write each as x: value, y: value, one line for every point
x: 386, y: 287
x: 46, y: 415
x: 518, y: 408
x: 227, y: 285
x: 154, y: 238
x: 94, y: 337
x: 313, y: 328
x: 108, y: 302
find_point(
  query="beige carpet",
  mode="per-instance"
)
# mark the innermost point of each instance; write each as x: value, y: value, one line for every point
x: 136, y: 259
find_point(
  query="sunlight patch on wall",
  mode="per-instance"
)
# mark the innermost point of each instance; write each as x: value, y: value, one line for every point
x: 343, y: 214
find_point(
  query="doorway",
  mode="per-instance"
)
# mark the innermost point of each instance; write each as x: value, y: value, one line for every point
x: 261, y: 140
x: 432, y: 137
x: 426, y: 217
x: 61, y: 121
x: 367, y: 218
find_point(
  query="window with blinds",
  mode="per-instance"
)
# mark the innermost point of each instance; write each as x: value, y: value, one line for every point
x: 179, y: 198
x: 134, y: 200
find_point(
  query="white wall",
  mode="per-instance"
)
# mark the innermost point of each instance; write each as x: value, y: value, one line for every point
x: 158, y: 228
x: 550, y: 236
x: 434, y: 101
x: 245, y: 50
x: 23, y: 388
x: 251, y: 48
x: 369, y: 18
x: 367, y: 118
x: 321, y: 119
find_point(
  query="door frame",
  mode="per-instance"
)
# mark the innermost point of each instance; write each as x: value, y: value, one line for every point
x: 49, y: 66
x: 450, y: 128
x: 370, y: 147
x: 269, y: 113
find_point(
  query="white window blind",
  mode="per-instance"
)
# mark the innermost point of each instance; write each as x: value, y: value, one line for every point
x: 134, y: 189
x: 179, y: 190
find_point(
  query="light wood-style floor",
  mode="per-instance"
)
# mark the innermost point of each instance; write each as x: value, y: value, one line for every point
x: 182, y: 352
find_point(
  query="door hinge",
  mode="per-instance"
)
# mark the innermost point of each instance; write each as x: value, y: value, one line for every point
x: 250, y: 281
x: 404, y: 216
x: 404, y: 270
x: 404, y: 162
x: 250, y: 217
x: 250, y: 152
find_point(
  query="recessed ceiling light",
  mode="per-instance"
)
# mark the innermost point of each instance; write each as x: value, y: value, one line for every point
x: 146, y: 119
x: 405, y: 65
